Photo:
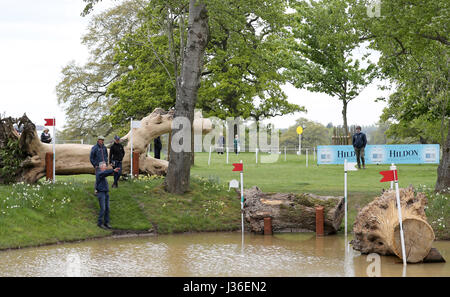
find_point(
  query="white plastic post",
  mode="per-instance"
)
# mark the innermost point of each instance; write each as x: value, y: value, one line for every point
x: 131, y: 155
x: 54, y: 151
x: 399, y: 208
x: 242, y: 201
x: 300, y: 145
x: 345, y: 195
x: 209, y: 159
x: 306, y: 158
x: 227, y: 154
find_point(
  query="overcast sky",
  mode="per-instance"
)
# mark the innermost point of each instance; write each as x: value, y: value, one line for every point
x: 38, y: 38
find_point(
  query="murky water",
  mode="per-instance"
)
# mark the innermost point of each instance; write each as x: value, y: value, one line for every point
x: 209, y: 254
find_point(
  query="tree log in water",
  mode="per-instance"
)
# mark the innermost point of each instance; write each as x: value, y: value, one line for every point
x: 73, y: 159
x: 291, y: 212
x: 376, y: 227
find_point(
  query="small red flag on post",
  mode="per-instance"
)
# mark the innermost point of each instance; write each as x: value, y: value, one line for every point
x: 238, y: 167
x: 390, y: 175
x: 49, y: 122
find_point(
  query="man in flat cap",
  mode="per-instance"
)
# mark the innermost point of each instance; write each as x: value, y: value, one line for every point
x: 99, y: 153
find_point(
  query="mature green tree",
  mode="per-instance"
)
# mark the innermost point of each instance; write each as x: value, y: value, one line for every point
x: 239, y: 71
x: 241, y: 74
x: 323, y: 50
x: 188, y: 83
x: 82, y: 91
x: 413, y: 39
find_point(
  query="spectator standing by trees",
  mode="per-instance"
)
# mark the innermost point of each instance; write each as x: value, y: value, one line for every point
x: 116, y: 154
x: 158, y: 147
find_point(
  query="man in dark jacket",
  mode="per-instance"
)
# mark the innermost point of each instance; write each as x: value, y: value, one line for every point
x: 103, y: 194
x: 99, y: 153
x: 116, y: 153
x: 359, y: 144
x: 158, y: 147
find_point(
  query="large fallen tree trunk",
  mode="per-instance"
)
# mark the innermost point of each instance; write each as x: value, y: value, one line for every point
x: 73, y: 159
x: 291, y: 212
x: 377, y: 229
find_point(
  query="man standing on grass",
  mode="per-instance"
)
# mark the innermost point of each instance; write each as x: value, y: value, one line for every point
x: 359, y: 144
x: 116, y: 153
x: 99, y: 153
x: 158, y: 147
x: 103, y: 194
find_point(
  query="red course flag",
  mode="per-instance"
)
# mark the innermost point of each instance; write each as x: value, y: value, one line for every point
x: 390, y: 175
x: 238, y: 167
x: 49, y: 122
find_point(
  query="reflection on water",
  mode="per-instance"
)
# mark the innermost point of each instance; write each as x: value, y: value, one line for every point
x: 208, y: 254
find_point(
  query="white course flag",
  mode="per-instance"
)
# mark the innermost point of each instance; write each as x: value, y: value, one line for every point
x: 350, y: 166
x: 233, y: 184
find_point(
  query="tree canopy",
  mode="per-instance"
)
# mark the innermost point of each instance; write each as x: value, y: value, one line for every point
x: 137, y: 63
x: 323, y: 51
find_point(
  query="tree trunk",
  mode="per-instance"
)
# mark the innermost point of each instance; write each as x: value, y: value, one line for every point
x: 291, y: 212
x: 178, y: 175
x: 344, y: 117
x: 72, y: 159
x: 443, y: 179
x: 376, y: 226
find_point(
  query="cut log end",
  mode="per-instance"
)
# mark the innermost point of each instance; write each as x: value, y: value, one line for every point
x: 377, y: 228
x: 419, y: 237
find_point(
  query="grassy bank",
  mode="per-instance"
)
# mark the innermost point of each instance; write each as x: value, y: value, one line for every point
x: 39, y: 214
x: 67, y: 211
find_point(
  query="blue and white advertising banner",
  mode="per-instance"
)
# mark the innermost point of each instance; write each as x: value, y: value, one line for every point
x: 380, y: 154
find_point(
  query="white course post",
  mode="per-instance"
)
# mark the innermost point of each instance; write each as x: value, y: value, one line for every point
x: 242, y: 201
x: 300, y: 145
x: 131, y: 155
x: 54, y: 151
x: 399, y: 208
x: 306, y: 158
x: 345, y: 195
x: 227, y: 154
x: 209, y: 159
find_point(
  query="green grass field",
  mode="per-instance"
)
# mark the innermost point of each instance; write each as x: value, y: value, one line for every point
x: 44, y: 213
x: 292, y: 175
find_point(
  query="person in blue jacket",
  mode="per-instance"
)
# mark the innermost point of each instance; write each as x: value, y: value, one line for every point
x: 359, y: 144
x: 103, y: 194
x: 99, y: 153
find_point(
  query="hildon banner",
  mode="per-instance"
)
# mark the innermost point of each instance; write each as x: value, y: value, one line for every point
x: 381, y: 154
